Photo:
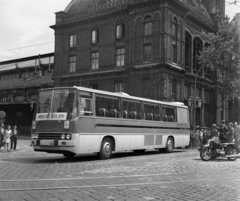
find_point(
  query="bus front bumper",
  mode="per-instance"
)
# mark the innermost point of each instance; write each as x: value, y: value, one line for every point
x: 54, y: 143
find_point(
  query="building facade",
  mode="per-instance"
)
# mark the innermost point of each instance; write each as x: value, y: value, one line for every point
x: 146, y: 48
x: 20, y: 80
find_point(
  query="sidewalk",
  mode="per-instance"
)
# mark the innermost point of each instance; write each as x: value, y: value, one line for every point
x: 23, y: 142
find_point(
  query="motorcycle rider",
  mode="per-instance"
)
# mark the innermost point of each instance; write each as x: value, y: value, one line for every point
x: 223, y: 132
x: 230, y: 133
x: 214, y: 133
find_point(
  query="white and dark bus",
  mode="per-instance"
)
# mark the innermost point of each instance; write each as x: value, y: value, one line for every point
x: 78, y: 120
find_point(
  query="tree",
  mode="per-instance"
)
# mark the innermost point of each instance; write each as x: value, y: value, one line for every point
x: 222, y: 55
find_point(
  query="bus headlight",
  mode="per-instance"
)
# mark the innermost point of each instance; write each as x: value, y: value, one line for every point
x: 68, y: 136
x: 33, y: 136
x: 63, y: 136
x: 36, y: 136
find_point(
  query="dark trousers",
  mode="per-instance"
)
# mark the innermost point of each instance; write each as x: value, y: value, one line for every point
x: 13, y: 142
x: 1, y: 141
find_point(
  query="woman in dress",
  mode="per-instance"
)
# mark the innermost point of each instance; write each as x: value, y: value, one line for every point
x: 7, y: 135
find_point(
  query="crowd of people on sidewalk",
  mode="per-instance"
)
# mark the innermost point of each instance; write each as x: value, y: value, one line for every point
x: 8, y: 137
x: 225, y: 133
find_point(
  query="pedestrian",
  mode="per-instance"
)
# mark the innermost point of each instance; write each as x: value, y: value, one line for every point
x: 197, y: 134
x: 206, y: 135
x: 236, y: 133
x: 14, y: 138
x: 230, y: 133
x: 192, y: 138
x: 1, y: 135
x: 7, y: 135
x: 201, y: 136
x: 214, y: 133
x: 223, y: 132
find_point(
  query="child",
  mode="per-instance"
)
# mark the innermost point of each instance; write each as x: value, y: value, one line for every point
x: 14, y: 138
x: 7, y: 135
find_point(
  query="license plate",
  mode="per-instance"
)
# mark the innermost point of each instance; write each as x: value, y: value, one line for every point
x: 51, y: 143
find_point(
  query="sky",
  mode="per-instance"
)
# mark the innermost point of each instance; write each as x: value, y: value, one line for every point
x: 25, y: 23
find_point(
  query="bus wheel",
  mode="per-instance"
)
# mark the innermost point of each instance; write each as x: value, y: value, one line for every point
x: 169, y: 145
x: 69, y: 155
x: 106, y: 149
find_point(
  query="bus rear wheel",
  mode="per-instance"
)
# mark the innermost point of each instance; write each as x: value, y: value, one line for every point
x: 69, y: 155
x: 106, y: 149
x: 169, y: 145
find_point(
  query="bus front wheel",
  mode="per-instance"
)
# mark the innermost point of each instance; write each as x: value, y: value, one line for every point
x: 69, y: 155
x: 106, y: 149
x: 169, y: 145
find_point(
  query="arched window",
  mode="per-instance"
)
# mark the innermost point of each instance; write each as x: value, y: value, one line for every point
x: 197, y: 48
x: 188, y: 52
x: 148, y: 25
x: 95, y: 36
x: 174, y: 40
x: 120, y: 31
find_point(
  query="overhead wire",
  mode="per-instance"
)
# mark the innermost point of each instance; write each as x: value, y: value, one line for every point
x: 25, y: 47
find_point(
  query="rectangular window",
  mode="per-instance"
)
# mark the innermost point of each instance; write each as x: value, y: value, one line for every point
x: 174, y: 51
x: 119, y: 87
x: 107, y: 106
x: 151, y: 112
x: 85, y: 103
x: 207, y: 97
x: 120, y: 31
x: 147, y: 52
x: 95, y: 36
x: 73, y: 41
x: 169, y: 113
x: 186, y: 91
x: 72, y: 64
x: 33, y: 97
x: 19, y: 98
x: 131, y: 109
x: 148, y: 28
x: 95, y: 60
x: 120, y: 56
x: 174, y: 90
x: 3, y: 99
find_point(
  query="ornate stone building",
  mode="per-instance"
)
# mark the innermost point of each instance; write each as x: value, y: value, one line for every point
x: 146, y: 48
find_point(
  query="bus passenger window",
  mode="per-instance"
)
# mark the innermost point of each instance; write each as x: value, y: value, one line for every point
x: 109, y: 104
x: 164, y: 117
x: 169, y: 113
x: 151, y: 112
x: 131, y: 109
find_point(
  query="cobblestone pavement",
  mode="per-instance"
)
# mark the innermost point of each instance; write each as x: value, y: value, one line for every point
x: 181, y: 175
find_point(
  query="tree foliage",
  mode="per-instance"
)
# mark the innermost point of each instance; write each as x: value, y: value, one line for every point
x: 222, y: 55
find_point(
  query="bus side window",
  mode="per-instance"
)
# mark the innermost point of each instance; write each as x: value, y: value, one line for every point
x: 131, y: 109
x: 107, y: 106
x: 151, y: 112
x: 169, y: 113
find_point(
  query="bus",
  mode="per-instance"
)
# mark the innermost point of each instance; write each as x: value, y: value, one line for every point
x: 78, y: 120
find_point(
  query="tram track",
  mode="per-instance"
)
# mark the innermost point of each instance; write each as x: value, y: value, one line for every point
x: 113, y: 181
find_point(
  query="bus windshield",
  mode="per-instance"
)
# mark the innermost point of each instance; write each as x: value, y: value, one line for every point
x: 59, y: 104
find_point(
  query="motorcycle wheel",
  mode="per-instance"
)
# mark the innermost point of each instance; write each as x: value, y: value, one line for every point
x: 232, y: 151
x: 205, y: 154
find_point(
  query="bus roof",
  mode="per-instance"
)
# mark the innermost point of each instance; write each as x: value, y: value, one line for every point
x: 121, y: 94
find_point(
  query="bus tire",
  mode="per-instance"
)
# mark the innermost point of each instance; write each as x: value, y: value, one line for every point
x: 69, y: 155
x: 106, y: 149
x: 169, y: 145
